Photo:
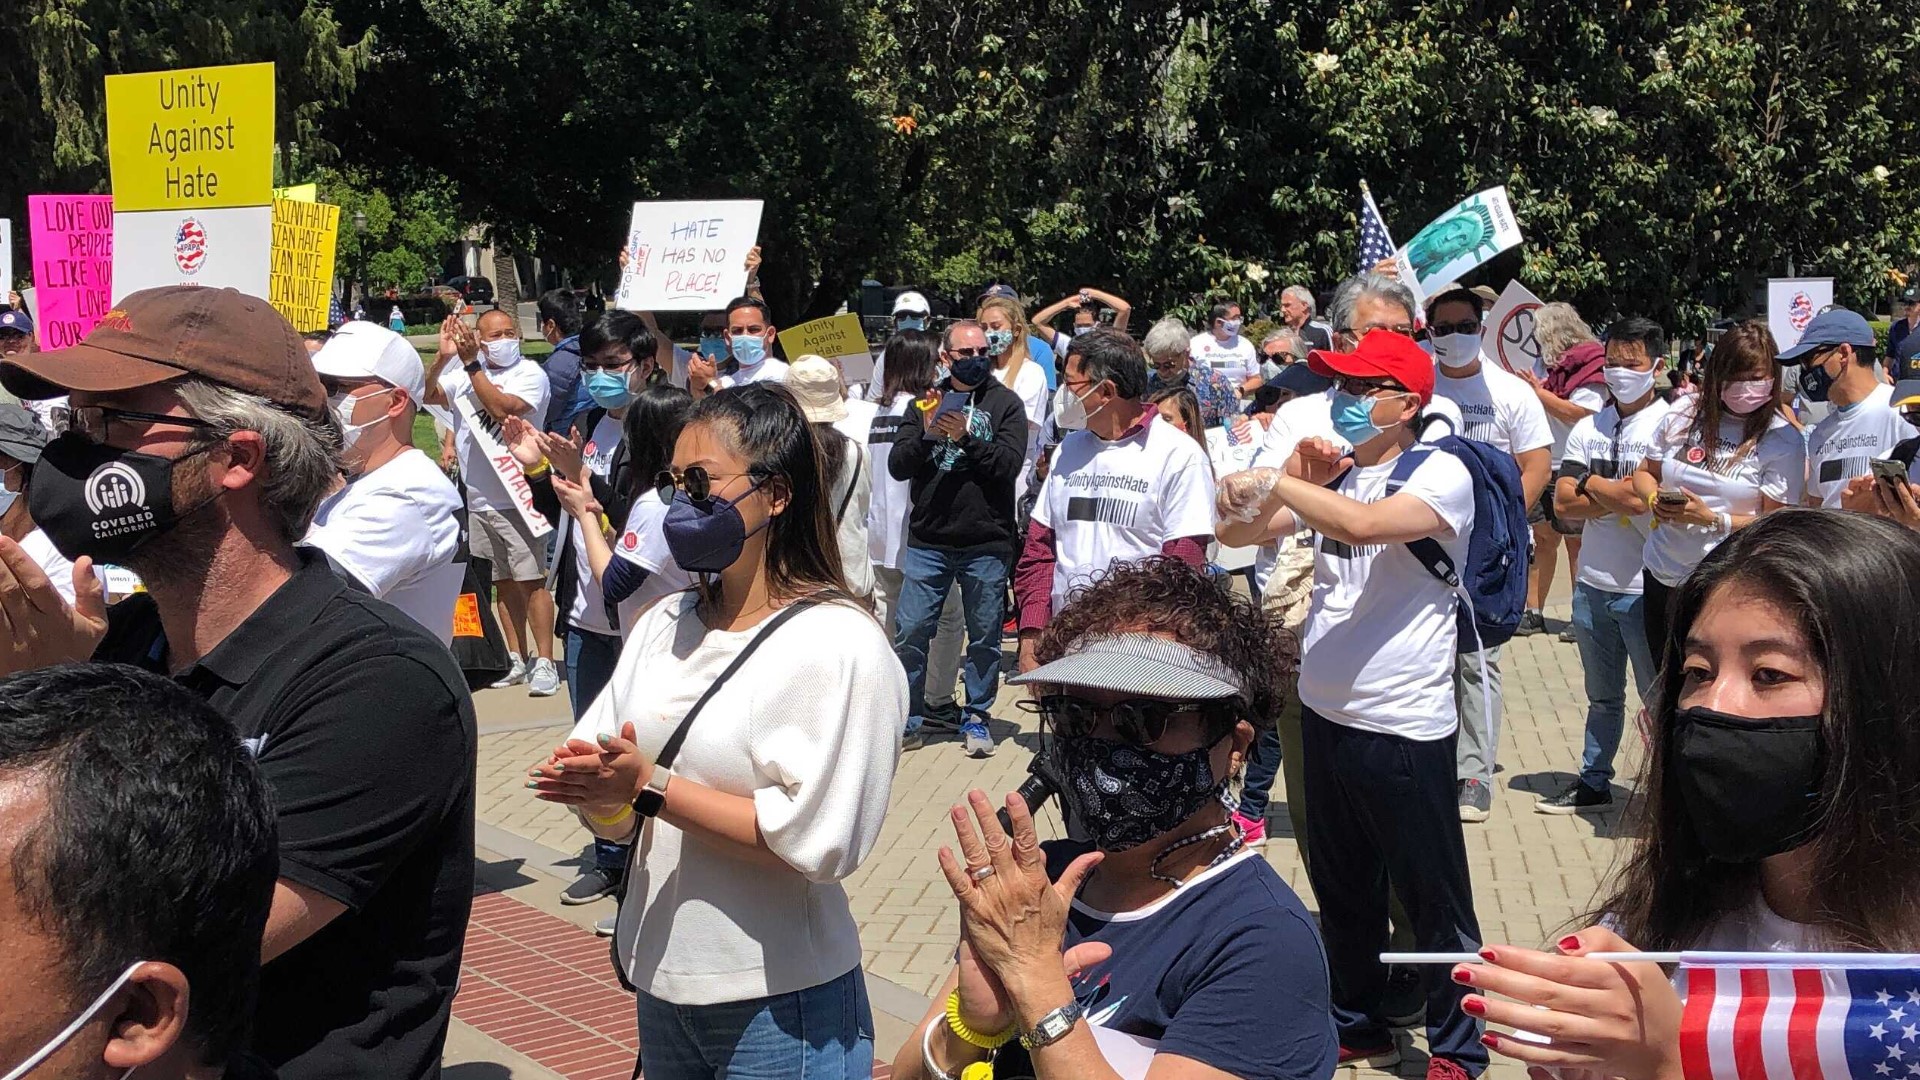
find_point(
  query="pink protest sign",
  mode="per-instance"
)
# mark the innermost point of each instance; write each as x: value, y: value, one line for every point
x: 72, y: 237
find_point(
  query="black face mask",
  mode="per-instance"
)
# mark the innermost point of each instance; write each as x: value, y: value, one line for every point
x: 1749, y: 787
x: 97, y: 500
x: 1125, y: 795
x: 1815, y: 383
x: 971, y: 371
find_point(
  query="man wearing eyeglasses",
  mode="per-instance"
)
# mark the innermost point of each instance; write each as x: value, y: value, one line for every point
x: 201, y: 441
x: 961, y: 449
x: 1378, y: 714
x: 1501, y: 409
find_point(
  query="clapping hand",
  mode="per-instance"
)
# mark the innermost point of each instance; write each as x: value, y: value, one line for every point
x: 1317, y: 461
x: 522, y: 441
x: 577, y: 499
x: 564, y: 452
x: 599, y: 779
x: 39, y: 626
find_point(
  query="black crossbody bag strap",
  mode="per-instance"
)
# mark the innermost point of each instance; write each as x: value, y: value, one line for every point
x: 672, y: 749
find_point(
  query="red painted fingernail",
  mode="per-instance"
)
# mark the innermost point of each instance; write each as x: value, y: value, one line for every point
x: 1463, y: 975
x: 1487, y: 955
x: 1473, y: 1006
x: 1569, y: 943
x: 1490, y: 1041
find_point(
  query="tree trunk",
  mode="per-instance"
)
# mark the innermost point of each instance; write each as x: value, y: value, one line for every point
x: 506, y: 278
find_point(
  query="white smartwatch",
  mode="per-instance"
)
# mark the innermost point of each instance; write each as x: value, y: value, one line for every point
x: 653, y: 796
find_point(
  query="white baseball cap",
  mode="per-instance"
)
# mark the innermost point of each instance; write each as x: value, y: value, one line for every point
x: 910, y: 301
x: 364, y: 350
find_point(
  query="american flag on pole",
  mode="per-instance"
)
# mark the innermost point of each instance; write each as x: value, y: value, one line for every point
x: 1800, y: 1023
x: 1375, y: 242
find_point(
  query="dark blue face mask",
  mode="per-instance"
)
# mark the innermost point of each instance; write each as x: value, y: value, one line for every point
x: 1815, y: 383
x: 707, y: 537
x: 971, y: 371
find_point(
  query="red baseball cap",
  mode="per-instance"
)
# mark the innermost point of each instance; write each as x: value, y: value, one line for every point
x: 1381, y: 354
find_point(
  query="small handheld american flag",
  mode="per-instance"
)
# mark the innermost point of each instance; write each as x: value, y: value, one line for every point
x: 1375, y: 242
x: 1791, y: 1022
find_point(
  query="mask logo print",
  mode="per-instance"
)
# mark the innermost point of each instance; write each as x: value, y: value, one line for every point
x: 113, y: 486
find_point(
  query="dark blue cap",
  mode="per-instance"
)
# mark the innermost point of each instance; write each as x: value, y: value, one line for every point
x: 15, y: 320
x: 1834, y: 326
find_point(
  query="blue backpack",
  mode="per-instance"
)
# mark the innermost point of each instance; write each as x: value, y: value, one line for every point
x: 1493, y: 584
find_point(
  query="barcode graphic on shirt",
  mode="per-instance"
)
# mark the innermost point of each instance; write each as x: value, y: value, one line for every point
x: 1341, y: 550
x: 1844, y: 468
x: 1110, y: 511
x: 885, y: 431
x: 1483, y: 431
x: 1609, y: 469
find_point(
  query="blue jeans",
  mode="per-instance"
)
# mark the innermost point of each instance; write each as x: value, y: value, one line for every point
x: 926, y: 576
x: 590, y: 661
x: 824, y: 1032
x: 1611, y: 631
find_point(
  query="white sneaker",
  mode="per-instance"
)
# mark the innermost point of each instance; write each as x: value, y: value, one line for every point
x: 516, y: 674
x: 607, y: 926
x: 543, y: 680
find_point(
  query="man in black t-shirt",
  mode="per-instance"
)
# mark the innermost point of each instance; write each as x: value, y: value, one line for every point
x: 200, y: 443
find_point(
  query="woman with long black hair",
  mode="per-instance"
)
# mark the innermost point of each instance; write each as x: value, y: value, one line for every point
x: 1779, y: 790
x: 749, y: 780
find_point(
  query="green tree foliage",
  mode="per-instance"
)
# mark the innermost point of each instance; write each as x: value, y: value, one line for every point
x: 405, y: 232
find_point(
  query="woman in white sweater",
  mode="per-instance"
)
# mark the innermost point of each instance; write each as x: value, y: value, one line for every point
x: 734, y: 927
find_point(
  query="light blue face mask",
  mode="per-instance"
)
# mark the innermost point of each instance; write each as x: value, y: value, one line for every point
x: 608, y: 389
x: 713, y: 347
x: 1353, y: 418
x: 911, y: 322
x: 7, y: 497
x: 749, y: 350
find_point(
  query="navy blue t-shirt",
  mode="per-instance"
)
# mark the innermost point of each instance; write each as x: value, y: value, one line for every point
x: 1227, y: 971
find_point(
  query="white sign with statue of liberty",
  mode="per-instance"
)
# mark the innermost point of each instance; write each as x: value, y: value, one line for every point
x: 1475, y: 230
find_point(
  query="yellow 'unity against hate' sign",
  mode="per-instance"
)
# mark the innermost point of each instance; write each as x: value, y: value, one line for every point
x: 192, y: 138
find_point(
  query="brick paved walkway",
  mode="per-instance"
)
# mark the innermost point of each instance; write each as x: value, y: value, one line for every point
x: 1531, y: 873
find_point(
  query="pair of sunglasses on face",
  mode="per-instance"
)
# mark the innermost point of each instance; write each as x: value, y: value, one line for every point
x: 1138, y: 721
x: 696, y: 481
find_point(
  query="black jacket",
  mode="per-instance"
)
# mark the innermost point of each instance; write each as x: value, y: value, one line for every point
x: 971, y: 505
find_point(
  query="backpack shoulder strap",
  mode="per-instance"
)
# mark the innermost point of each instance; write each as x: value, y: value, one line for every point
x: 853, y: 479
x: 672, y: 748
x: 1428, y: 550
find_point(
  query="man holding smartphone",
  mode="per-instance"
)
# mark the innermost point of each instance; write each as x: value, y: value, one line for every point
x: 1836, y: 357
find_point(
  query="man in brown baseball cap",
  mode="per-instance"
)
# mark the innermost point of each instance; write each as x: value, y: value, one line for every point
x: 200, y: 443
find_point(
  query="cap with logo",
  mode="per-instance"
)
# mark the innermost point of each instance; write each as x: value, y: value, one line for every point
x: 21, y: 436
x: 151, y: 336
x: 815, y: 385
x: 15, y: 321
x: 910, y: 302
x: 1910, y: 295
x: 364, y: 350
x: 1381, y: 354
x: 1834, y: 326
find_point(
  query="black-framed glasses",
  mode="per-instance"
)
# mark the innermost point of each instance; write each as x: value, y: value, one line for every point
x: 1362, y: 387
x: 697, y: 482
x: 1139, y: 721
x: 619, y: 365
x: 969, y: 354
x: 90, y: 422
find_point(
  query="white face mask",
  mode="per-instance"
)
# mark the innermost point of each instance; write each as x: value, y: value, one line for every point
x: 1456, y: 350
x: 1070, y: 409
x: 73, y: 1029
x: 504, y: 352
x: 343, y: 408
x: 1626, y: 384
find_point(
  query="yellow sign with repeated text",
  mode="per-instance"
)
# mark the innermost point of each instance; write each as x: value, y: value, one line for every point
x: 298, y: 193
x: 192, y: 138
x: 300, y: 283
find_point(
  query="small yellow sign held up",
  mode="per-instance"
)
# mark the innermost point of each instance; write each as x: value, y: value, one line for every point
x: 301, y: 282
x: 190, y: 139
x: 299, y: 192
x: 837, y: 338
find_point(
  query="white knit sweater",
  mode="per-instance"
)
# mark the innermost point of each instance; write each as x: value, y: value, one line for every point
x: 809, y: 728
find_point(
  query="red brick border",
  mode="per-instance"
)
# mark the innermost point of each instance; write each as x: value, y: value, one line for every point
x: 543, y: 987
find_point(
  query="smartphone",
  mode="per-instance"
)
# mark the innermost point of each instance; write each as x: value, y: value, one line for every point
x: 1672, y: 500
x: 1888, y: 472
x: 950, y: 402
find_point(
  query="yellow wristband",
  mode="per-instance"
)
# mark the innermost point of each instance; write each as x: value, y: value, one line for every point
x: 967, y: 1034
x: 609, y: 822
x: 539, y: 470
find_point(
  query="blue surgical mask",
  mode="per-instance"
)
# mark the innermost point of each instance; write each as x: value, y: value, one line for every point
x: 714, y: 347
x: 1230, y: 327
x: 706, y: 537
x: 911, y: 322
x: 749, y: 350
x: 1353, y: 418
x: 608, y: 389
x: 998, y: 340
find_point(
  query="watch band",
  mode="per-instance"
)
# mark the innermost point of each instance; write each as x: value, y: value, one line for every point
x: 1580, y: 488
x: 471, y: 367
x: 1053, y: 1027
x: 654, y: 796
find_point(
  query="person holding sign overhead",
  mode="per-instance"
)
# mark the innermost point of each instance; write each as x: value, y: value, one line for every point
x: 495, y: 381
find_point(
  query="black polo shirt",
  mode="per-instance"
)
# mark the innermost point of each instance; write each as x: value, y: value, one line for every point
x: 364, y: 730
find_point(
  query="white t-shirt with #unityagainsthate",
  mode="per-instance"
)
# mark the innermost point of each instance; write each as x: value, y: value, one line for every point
x: 1499, y: 408
x: 1605, y: 446
x: 1776, y: 468
x: 1378, y: 652
x: 1844, y: 444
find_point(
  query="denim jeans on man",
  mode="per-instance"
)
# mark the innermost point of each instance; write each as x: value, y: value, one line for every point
x: 591, y: 659
x: 1611, y: 632
x: 926, y: 576
x: 822, y: 1031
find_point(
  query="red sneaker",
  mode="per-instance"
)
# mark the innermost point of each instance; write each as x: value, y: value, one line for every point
x: 1446, y: 1069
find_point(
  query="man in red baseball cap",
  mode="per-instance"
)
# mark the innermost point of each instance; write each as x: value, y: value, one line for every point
x: 1378, y: 717
x: 199, y: 446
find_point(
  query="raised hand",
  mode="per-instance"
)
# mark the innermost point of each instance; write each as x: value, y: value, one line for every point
x: 39, y: 626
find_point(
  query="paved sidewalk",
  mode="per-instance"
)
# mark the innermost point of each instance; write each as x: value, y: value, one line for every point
x: 1531, y: 873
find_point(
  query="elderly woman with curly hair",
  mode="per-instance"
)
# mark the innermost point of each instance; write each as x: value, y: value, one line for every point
x: 1161, y: 947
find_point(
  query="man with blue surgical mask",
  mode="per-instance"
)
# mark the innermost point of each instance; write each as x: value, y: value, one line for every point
x: 750, y: 336
x: 1499, y: 408
x: 910, y: 312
